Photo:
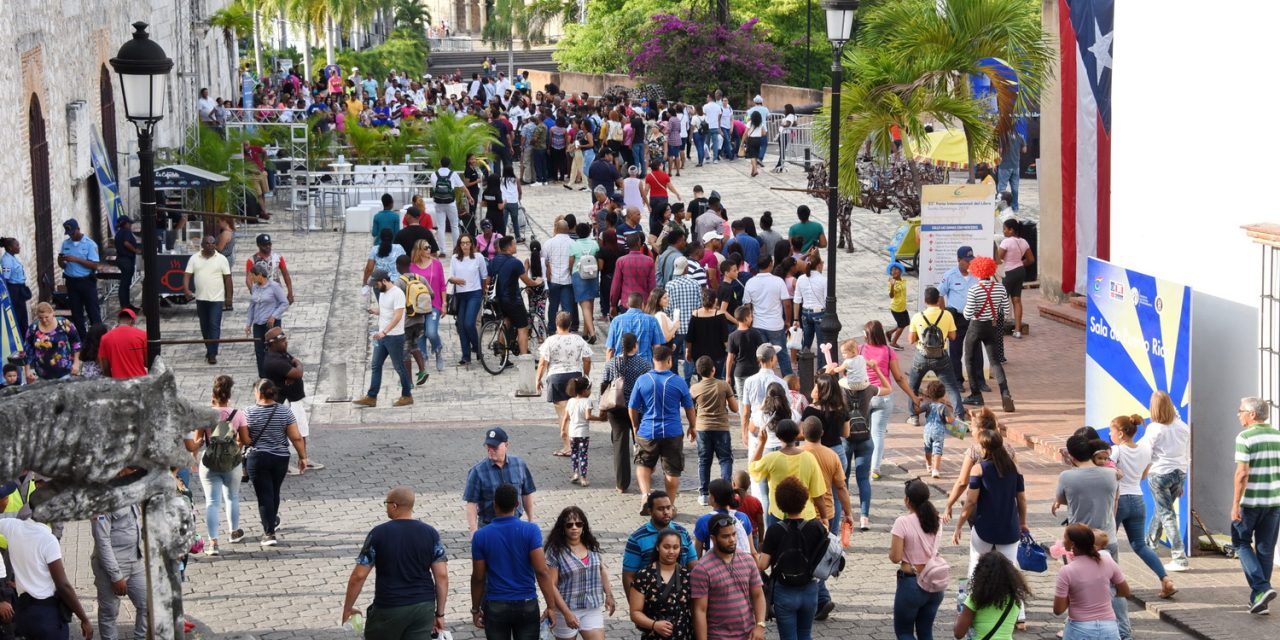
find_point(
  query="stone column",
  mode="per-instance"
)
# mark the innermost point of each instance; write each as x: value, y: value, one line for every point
x: 459, y: 16
x: 474, y: 16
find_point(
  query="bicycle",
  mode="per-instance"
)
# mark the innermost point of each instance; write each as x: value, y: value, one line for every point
x: 498, y: 339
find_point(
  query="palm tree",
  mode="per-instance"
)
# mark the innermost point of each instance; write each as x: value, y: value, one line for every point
x: 454, y: 138
x: 526, y: 21
x: 948, y: 40
x: 233, y: 20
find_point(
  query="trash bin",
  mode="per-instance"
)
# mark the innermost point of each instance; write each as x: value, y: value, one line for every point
x: 1031, y: 234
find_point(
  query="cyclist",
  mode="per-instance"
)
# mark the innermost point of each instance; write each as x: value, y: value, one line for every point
x: 509, y: 272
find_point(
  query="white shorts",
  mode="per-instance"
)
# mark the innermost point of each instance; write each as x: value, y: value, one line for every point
x: 588, y: 620
x: 299, y: 409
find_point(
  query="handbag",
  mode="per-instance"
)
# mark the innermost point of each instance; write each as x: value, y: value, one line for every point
x: 613, y: 396
x: 1031, y: 556
x: 795, y: 338
x: 451, y: 306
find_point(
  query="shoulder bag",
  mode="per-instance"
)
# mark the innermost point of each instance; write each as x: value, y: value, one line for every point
x: 936, y: 573
x: 451, y: 304
x: 614, y: 396
x: 1000, y: 623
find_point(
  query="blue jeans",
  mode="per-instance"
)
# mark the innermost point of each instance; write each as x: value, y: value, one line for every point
x: 779, y: 339
x: 914, y: 609
x: 720, y: 445
x: 588, y: 156
x: 210, y: 314
x: 560, y: 298
x: 686, y: 367
x: 431, y: 332
x: 220, y: 486
x: 1254, y: 538
x: 1008, y: 178
x: 1165, y: 489
x: 942, y: 368
x: 881, y: 410
x: 540, y: 165
x: 764, y: 146
x: 468, y: 310
x: 834, y: 523
x: 392, y: 346
x: 714, y: 143
x: 511, y: 619
x: 728, y: 148
x: 859, y: 454
x: 810, y: 322
x: 700, y: 145
x: 1091, y: 630
x: 511, y: 211
x: 1120, y: 606
x: 794, y: 608
x: 1131, y: 513
x: 637, y: 154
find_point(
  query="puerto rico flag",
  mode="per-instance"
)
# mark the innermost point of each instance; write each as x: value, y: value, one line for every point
x: 1085, y: 33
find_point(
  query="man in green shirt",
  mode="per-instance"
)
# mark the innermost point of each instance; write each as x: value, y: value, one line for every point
x: 807, y: 229
x: 388, y: 218
x: 1255, y: 507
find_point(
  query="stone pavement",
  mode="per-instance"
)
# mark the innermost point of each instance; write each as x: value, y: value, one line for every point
x: 295, y: 590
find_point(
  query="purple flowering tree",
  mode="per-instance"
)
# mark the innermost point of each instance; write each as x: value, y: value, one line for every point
x: 690, y: 57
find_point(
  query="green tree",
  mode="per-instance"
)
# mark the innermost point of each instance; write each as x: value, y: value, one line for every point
x: 613, y: 28
x: 234, y: 21
x: 454, y: 138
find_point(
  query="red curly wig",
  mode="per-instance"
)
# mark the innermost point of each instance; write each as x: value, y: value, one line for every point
x: 982, y: 267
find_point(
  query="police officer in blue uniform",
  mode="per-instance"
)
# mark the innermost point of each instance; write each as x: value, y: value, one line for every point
x: 78, y: 258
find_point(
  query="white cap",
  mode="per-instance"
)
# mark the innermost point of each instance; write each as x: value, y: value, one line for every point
x: 758, y: 99
x: 681, y: 265
x: 711, y: 235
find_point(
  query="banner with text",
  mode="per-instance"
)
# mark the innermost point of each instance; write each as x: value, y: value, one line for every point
x: 952, y: 216
x: 1138, y: 342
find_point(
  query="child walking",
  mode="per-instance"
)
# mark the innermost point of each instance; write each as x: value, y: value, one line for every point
x: 938, y: 415
x: 577, y: 414
x: 897, y: 303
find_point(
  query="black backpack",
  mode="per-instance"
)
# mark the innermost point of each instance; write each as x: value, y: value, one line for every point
x: 442, y: 190
x: 793, y: 567
x: 934, y: 343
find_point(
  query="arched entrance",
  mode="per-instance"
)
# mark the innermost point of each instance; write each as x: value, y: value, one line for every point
x: 42, y: 204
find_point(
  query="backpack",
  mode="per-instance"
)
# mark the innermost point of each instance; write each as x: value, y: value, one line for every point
x: 588, y: 269
x: 793, y: 566
x: 417, y: 294
x: 442, y: 190
x: 934, y: 343
x: 830, y: 558
x: 704, y: 128
x: 936, y: 573
x: 221, y: 451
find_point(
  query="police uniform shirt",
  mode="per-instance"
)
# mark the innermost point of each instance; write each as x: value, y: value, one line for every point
x: 85, y: 249
x: 117, y: 540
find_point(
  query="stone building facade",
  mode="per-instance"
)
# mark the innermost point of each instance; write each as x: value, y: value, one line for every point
x: 55, y: 54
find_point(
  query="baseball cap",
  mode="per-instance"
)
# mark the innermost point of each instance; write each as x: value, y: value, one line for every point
x: 766, y: 352
x: 495, y: 437
x: 964, y: 253
x: 758, y: 99
x: 264, y: 238
x: 70, y: 225
x: 711, y: 235
x: 617, y: 197
x: 123, y: 312
x: 378, y: 276
x: 681, y: 265
x: 123, y: 220
x: 8, y: 488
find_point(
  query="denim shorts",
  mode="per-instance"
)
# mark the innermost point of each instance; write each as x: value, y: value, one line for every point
x: 934, y: 440
x: 584, y: 289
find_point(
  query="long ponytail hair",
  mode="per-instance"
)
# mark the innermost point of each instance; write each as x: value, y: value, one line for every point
x: 917, y: 493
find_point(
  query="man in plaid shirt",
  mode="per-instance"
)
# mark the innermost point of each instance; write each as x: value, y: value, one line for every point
x: 633, y: 273
x: 684, y: 296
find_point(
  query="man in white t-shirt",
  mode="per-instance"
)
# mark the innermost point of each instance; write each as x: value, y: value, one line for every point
x: 40, y: 576
x: 444, y: 206
x: 212, y: 275
x: 768, y: 296
x: 555, y: 254
x: 711, y: 111
x: 388, y: 340
x: 726, y: 127
x: 205, y: 106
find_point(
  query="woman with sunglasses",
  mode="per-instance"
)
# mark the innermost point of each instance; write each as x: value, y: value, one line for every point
x: 660, y: 598
x: 573, y: 556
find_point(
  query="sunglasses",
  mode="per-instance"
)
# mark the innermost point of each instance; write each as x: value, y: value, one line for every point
x: 574, y: 525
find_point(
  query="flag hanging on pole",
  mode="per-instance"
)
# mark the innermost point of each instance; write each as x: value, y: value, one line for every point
x: 10, y: 332
x: 1085, y: 34
x: 107, y: 183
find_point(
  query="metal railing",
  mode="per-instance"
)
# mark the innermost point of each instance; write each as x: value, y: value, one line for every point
x: 451, y: 44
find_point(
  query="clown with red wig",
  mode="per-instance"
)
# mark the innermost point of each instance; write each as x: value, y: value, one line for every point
x: 986, y: 304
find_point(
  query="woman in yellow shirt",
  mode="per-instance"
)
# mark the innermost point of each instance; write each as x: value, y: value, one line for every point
x: 897, y: 302
x: 789, y: 461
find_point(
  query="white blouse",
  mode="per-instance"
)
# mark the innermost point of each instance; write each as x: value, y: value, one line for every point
x: 472, y: 270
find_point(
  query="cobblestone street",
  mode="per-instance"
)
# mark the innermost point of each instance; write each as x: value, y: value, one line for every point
x: 295, y: 590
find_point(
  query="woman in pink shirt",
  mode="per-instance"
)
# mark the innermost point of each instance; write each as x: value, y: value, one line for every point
x: 882, y: 362
x: 915, y: 542
x: 1084, y: 588
x: 424, y: 264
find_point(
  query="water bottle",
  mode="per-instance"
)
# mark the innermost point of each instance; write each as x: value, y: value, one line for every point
x: 962, y: 594
x: 354, y: 624
x: 545, y: 633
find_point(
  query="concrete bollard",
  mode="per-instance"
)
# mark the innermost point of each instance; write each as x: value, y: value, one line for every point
x: 338, y: 383
x: 526, y: 382
x: 804, y: 368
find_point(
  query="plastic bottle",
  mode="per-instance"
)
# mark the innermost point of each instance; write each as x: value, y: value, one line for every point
x: 354, y: 624
x: 545, y: 633
x: 962, y: 594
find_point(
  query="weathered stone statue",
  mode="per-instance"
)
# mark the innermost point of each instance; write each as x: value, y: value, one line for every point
x: 80, y: 434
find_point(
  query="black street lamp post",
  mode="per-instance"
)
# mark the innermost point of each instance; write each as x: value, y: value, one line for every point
x: 143, y: 68
x: 840, y: 16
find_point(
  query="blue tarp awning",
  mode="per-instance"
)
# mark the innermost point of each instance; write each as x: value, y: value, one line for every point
x: 182, y: 176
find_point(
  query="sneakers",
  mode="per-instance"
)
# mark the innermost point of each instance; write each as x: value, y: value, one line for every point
x: 934, y: 473
x: 1177, y: 567
x: 403, y: 401
x: 975, y: 400
x: 422, y: 377
x: 314, y: 465
x: 824, y: 611
x: 237, y: 536
x: 864, y: 524
x: 293, y: 470
x: 702, y: 501
x: 1259, y: 606
x: 212, y: 549
x: 1017, y: 334
x: 366, y: 401
x: 913, y: 421
x: 269, y: 540
x: 1006, y: 402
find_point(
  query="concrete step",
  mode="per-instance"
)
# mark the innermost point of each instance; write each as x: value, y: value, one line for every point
x: 1072, y: 313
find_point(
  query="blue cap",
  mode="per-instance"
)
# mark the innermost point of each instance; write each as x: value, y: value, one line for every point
x: 70, y: 225
x: 8, y: 488
x: 964, y: 253
x: 495, y: 437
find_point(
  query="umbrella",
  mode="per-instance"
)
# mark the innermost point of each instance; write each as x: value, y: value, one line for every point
x: 10, y: 332
x: 947, y: 148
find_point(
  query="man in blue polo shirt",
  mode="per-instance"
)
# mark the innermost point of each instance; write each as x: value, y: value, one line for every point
x: 645, y: 327
x: 639, y: 552
x: 656, y: 400
x: 506, y: 560
x: 954, y: 288
x: 78, y: 258
x: 495, y: 470
x: 388, y: 218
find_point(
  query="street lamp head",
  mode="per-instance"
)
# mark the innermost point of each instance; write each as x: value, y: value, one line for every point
x: 143, y: 67
x: 840, y: 17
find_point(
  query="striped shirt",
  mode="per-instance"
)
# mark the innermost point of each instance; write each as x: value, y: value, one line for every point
x: 1259, y: 447
x: 985, y: 300
x: 639, y: 550
x: 727, y: 588
x: 268, y: 428
x: 579, y: 580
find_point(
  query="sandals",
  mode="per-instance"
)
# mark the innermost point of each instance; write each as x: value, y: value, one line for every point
x: 561, y: 454
x: 1167, y: 590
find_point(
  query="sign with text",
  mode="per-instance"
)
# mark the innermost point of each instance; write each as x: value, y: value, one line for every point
x: 1138, y: 342
x: 952, y: 216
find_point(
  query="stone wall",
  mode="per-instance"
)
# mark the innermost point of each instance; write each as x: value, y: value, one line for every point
x: 1049, y: 175
x: 595, y: 84
x: 55, y: 52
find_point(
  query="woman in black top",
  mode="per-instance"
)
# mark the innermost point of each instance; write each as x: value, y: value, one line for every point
x: 707, y: 333
x: 493, y: 204
x: 473, y: 178
x: 660, y: 596
x: 629, y: 368
x: 609, y: 253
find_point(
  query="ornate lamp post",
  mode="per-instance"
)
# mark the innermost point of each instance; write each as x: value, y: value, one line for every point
x: 840, y: 17
x: 144, y: 68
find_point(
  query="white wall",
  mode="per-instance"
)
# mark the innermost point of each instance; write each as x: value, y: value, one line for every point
x: 1187, y: 172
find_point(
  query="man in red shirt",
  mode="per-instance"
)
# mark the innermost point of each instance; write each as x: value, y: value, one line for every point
x: 122, y: 353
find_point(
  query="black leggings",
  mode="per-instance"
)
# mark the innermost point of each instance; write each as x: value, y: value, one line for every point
x: 267, y: 472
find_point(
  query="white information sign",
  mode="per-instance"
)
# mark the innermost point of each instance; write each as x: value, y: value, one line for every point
x: 953, y: 216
